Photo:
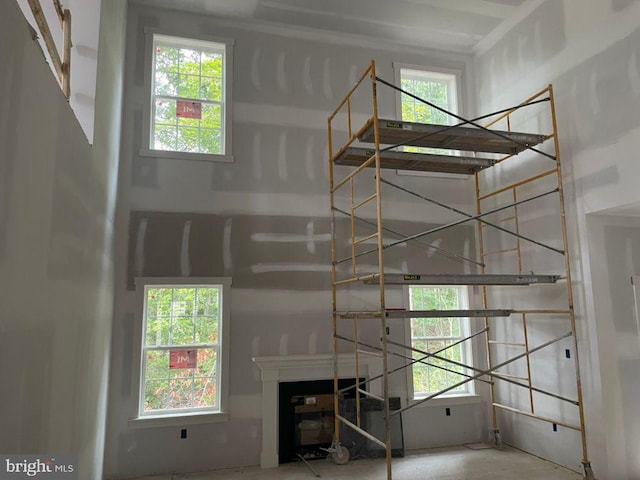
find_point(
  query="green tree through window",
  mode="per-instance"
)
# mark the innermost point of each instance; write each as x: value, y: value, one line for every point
x: 434, y: 334
x: 191, y: 73
x: 181, y: 319
x: 435, y: 87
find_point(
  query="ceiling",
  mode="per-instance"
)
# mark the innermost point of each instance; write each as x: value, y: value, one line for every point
x: 454, y: 25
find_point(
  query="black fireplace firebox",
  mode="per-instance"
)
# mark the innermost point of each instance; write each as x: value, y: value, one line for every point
x: 313, y: 425
x: 307, y: 421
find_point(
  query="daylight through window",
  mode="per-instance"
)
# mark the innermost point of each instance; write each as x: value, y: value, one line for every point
x: 437, y: 88
x: 433, y: 334
x: 188, y: 96
x: 181, y: 348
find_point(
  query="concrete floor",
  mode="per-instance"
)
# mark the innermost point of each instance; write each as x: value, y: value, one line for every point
x: 454, y: 463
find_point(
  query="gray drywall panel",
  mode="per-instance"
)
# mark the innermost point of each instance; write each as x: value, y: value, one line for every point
x: 56, y: 247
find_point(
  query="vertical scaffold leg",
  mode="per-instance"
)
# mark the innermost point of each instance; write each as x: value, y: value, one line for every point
x: 588, y: 473
x: 497, y: 439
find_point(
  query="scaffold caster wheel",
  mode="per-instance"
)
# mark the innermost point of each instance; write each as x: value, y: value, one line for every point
x: 588, y: 473
x: 340, y: 455
x: 497, y: 439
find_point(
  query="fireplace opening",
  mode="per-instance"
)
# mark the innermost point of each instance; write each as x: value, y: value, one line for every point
x: 307, y: 431
x: 306, y: 420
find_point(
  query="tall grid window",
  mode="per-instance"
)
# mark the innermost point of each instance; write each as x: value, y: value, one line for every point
x: 182, y: 349
x: 189, y: 96
x: 434, y: 334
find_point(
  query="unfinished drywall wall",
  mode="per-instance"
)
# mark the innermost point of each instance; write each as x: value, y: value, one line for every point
x: 589, y: 51
x: 56, y: 262
x: 263, y: 220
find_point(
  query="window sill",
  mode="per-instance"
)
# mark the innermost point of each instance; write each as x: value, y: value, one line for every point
x: 200, y: 157
x: 463, y: 399
x: 178, y: 420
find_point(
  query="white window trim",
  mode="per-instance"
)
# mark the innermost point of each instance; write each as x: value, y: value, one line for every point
x: 448, y: 398
x: 146, y: 150
x: 182, y: 417
x: 397, y: 67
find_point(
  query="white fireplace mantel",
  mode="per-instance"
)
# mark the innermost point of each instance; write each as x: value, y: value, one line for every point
x: 296, y: 368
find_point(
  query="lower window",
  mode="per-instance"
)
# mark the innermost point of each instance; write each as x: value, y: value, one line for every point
x: 182, y: 364
x: 438, y: 336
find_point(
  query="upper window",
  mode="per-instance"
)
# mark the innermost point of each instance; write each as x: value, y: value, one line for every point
x: 437, y: 87
x: 432, y: 335
x: 190, y: 96
x: 183, y: 348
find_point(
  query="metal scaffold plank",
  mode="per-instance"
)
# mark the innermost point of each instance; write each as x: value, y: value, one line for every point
x: 393, y: 132
x: 427, y: 313
x: 463, y: 279
x: 447, y: 313
x: 422, y: 162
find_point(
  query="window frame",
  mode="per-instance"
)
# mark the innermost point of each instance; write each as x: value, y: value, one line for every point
x: 457, y: 78
x: 149, y: 108
x: 184, y: 415
x: 468, y: 351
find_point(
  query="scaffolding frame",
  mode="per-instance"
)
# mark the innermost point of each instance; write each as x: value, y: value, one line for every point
x: 61, y: 63
x: 463, y: 135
